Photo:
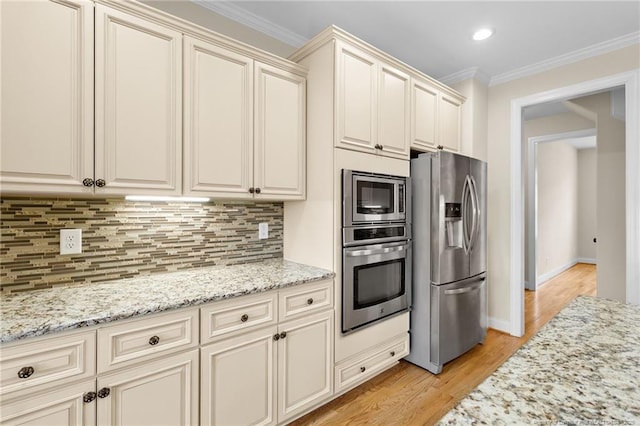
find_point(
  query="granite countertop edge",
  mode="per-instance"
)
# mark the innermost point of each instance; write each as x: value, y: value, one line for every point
x: 32, y: 314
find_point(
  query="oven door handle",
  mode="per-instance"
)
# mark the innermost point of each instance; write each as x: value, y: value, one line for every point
x: 355, y: 253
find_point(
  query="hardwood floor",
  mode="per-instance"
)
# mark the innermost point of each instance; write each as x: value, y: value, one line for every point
x: 409, y: 395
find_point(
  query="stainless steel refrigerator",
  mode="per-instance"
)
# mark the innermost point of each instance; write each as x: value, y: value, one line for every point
x: 449, y: 302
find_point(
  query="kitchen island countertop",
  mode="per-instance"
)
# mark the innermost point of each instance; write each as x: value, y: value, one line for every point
x: 583, y: 367
x: 41, y: 312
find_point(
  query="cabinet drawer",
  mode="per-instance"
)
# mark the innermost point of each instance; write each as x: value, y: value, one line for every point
x: 370, y: 363
x: 144, y: 339
x: 47, y: 362
x: 223, y: 318
x: 305, y: 299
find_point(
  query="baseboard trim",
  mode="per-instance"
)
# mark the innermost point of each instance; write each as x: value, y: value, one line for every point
x: 541, y: 279
x: 586, y: 260
x: 500, y: 325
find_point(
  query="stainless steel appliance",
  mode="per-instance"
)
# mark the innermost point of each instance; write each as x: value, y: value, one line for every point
x: 449, y: 308
x: 372, y: 197
x: 376, y: 253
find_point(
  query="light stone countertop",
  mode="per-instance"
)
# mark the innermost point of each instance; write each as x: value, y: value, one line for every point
x: 583, y: 367
x: 40, y: 312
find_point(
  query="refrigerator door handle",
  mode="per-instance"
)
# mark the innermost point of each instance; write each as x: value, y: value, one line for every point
x: 466, y: 194
x: 464, y: 289
x: 475, y: 227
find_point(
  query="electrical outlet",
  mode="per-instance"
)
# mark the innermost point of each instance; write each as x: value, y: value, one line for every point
x: 263, y: 231
x: 70, y: 241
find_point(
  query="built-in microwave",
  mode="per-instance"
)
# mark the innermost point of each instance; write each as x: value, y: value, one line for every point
x: 370, y: 198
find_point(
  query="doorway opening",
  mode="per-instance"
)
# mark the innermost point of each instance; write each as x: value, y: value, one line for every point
x: 630, y: 210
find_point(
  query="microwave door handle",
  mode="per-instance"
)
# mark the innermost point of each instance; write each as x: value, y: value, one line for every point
x: 355, y: 253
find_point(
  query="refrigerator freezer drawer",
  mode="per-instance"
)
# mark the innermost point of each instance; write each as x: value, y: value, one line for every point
x: 458, y: 318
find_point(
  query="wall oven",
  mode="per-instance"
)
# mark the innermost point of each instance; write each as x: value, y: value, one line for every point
x: 372, y: 197
x: 376, y: 248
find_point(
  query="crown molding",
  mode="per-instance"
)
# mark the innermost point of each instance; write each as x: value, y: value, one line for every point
x: 575, y: 56
x: 251, y: 20
x: 466, y: 74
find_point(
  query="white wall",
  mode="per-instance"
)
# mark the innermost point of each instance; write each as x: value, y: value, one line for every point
x: 499, y: 158
x: 557, y: 188
x: 611, y: 206
x: 587, y: 196
x: 550, y: 125
x: 191, y: 12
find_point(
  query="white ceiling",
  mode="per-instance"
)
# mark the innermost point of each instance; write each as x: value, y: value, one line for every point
x: 435, y: 36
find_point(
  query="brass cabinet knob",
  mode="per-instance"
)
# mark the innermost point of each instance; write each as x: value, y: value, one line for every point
x: 244, y: 318
x: 276, y: 336
x: 310, y: 301
x: 87, y: 182
x: 154, y: 340
x: 89, y: 396
x: 258, y: 190
x: 393, y: 353
x: 251, y: 190
x: 283, y: 334
x: 363, y: 369
x: 100, y: 183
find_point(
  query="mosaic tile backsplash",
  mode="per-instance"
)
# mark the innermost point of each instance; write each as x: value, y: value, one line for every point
x: 123, y: 239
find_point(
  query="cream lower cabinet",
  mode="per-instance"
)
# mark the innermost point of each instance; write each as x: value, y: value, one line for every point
x: 268, y: 376
x: 63, y: 407
x: 162, y: 392
x: 305, y: 364
x: 244, y: 125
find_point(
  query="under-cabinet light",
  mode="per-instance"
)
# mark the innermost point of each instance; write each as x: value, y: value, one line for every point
x: 160, y: 198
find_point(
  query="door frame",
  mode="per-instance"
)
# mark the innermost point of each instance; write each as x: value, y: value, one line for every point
x: 630, y: 80
x: 531, y: 213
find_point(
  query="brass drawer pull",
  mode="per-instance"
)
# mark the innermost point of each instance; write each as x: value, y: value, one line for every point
x: 26, y: 372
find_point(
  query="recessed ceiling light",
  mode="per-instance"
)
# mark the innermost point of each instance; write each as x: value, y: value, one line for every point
x: 483, y: 34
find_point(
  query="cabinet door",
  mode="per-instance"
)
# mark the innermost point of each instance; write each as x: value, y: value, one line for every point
x: 357, y: 101
x: 393, y: 107
x: 155, y: 393
x: 218, y: 114
x: 305, y: 364
x: 280, y: 130
x: 46, y: 125
x: 138, y: 105
x: 424, y: 118
x: 63, y: 407
x: 238, y: 380
x: 449, y: 119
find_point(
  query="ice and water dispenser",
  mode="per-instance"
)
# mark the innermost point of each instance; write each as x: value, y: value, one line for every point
x: 453, y: 225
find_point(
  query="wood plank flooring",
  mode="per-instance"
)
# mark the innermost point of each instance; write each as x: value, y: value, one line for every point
x: 409, y: 395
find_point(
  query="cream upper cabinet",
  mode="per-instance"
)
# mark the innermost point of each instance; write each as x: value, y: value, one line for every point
x: 305, y: 364
x: 373, y: 104
x: 435, y: 118
x: 357, y: 90
x: 163, y: 392
x: 394, y: 106
x: 280, y: 129
x: 424, y: 121
x: 138, y: 109
x: 449, y: 121
x: 218, y: 126
x: 244, y: 126
x: 46, y: 125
